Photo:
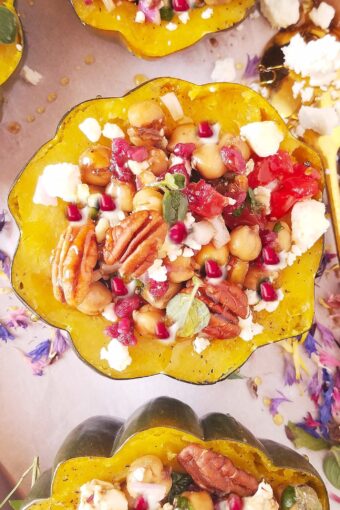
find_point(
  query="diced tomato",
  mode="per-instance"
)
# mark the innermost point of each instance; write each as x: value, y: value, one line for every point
x: 204, y: 199
x: 245, y: 217
x: 289, y: 192
x: 269, y: 169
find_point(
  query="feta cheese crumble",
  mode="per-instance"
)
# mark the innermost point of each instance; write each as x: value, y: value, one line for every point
x: 224, y: 70
x: 263, y: 137
x: 184, y: 17
x: 99, y: 495
x: 281, y: 13
x: 117, y: 355
x: 207, y: 13
x: 322, y: 15
x: 158, y: 271
x: 263, y: 499
x: 60, y: 180
x: 171, y: 26
x: 112, y: 131
x: 170, y: 100
x: 200, y: 344
x: 308, y: 223
x: 91, y: 129
x: 140, y: 17
x: 320, y: 120
x: 30, y: 76
x: 249, y: 329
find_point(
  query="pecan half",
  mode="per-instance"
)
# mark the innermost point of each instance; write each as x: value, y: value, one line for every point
x: 215, y: 472
x: 73, y: 262
x: 227, y: 302
x: 134, y: 242
x: 151, y: 136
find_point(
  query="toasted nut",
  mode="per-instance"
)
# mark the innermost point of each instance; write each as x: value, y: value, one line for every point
x: 95, y: 301
x: 284, y: 238
x: 208, y: 161
x: 228, y: 139
x: 199, y: 500
x: 94, y: 165
x: 153, y: 473
x: 161, y: 302
x: 245, y: 243
x: 123, y: 192
x: 254, y: 276
x: 180, y: 270
x: 144, y: 113
x: 184, y: 133
x: 238, y: 270
x: 146, y: 319
x: 158, y: 161
x: 148, y: 199
x: 207, y: 252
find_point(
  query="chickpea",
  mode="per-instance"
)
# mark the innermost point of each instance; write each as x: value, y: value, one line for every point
x: 208, y: 161
x: 245, y: 243
x: 184, y: 133
x: 95, y: 301
x: 149, y: 199
x: 94, y: 165
x: 153, y: 472
x: 158, y: 162
x: 144, y: 113
x: 209, y: 252
x: 284, y: 238
x: 180, y: 270
x: 145, y: 178
x: 237, y: 142
x: 146, y: 319
x: 161, y: 302
x: 123, y: 192
x: 199, y: 500
x: 238, y: 271
x: 254, y: 276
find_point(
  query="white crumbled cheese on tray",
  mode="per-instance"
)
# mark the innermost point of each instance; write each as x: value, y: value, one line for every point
x: 99, y: 495
x: 30, y: 76
x: 214, y: 137
x: 249, y: 329
x: 322, y: 15
x: 61, y: 180
x: 158, y: 271
x: 170, y: 100
x: 112, y: 131
x: 184, y: 17
x: 117, y: 355
x: 262, y: 196
x: 140, y: 17
x: 109, y: 313
x: 281, y: 13
x: 200, y: 344
x: 318, y: 59
x: 171, y: 26
x: 207, y: 13
x: 263, y: 499
x: 263, y: 137
x: 320, y: 120
x: 308, y: 223
x: 269, y: 306
x: 224, y: 70
x: 91, y: 129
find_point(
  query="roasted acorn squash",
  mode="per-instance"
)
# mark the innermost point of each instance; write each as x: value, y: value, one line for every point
x: 11, y: 40
x: 103, y: 447
x: 150, y: 40
x: 232, y: 106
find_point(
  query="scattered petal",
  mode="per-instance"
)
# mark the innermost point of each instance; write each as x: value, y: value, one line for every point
x: 18, y: 318
x: 289, y: 373
x: 2, y: 219
x: 251, y: 69
x: 5, y: 334
x: 5, y: 264
x: 326, y: 335
x: 326, y: 259
x: 276, y: 402
x: 310, y: 342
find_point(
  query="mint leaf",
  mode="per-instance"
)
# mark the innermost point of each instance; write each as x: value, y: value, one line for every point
x: 237, y: 212
x: 8, y: 26
x: 277, y: 227
x: 16, y: 503
x: 331, y: 466
x: 302, y: 439
x: 180, y: 483
x: 166, y: 13
x: 175, y: 206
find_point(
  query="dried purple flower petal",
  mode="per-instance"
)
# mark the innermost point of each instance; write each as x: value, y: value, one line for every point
x: 41, y: 351
x: 325, y: 408
x: 2, y: 219
x: 5, y: 334
x: 289, y: 373
x: 5, y: 263
x: 251, y: 69
x: 18, y: 319
x: 60, y: 343
x: 314, y: 388
x: 327, y: 257
x: 326, y: 335
x: 310, y: 342
x: 276, y: 402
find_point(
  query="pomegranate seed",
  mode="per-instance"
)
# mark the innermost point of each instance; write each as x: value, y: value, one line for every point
x: 270, y: 256
x: 235, y: 502
x: 180, y: 169
x: 212, y: 269
x: 112, y: 331
x: 184, y: 150
x: 267, y: 291
x: 141, y: 503
x: 180, y: 5
x: 178, y: 232
x: 123, y: 331
x: 73, y: 213
x: 106, y: 203
x: 267, y: 237
x: 119, y: 157
x: 161, y: 330
x: 204, y: 130
x: 138, y: 154
x: 124, y: 307
x: 118, y: 286
x: 233, y: 159
x: 158, y: 289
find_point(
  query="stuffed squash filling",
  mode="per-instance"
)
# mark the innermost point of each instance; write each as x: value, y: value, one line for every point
x: 179, y: 232
x: 209, y: 481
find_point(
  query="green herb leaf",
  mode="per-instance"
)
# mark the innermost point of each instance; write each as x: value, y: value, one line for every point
x: 288, y: 498
x: 166, y: 13
x: 302, y: 439
x: 331, y: 466
x: 237, y: 212
x: 175, y: 206
x: 183, y: 503
x: 277, y: 227
x: 180, y: 483
x: 16, y: 503
x: 8, y: 26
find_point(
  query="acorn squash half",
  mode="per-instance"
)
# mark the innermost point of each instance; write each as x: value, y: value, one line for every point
x: 40, y: 228
x: 103, y: 447
x: 148, y: 40
x: 11, y: 40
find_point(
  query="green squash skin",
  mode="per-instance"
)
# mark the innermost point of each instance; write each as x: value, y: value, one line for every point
x: 104, y: 436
